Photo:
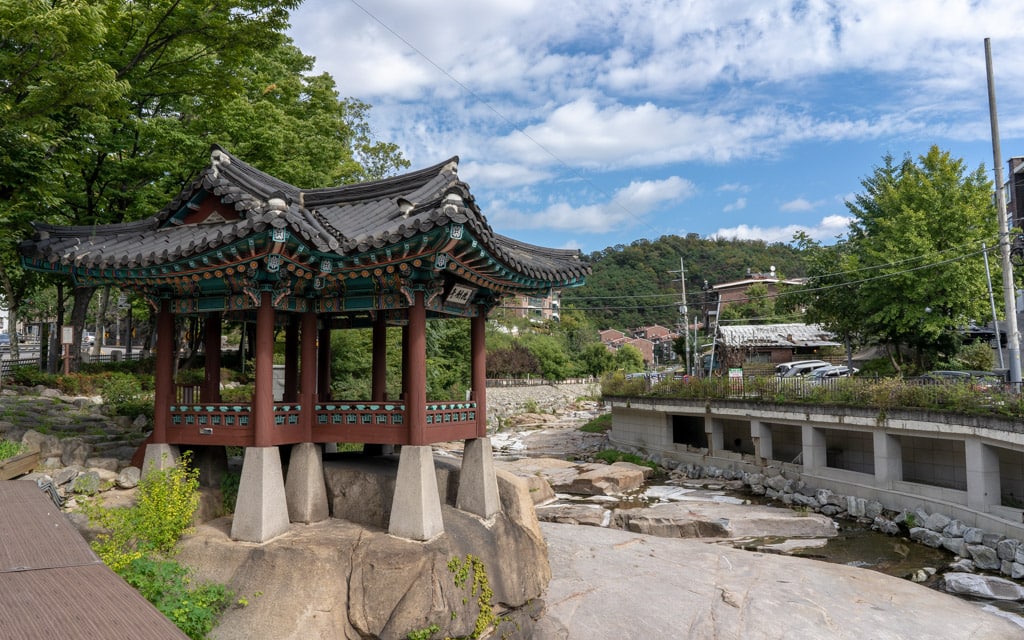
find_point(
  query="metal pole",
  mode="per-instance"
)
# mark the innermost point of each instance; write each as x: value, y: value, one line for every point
x: 1013, y: 336
x: 714, y: 337
x: 686, y: 317
x: 992, y: 301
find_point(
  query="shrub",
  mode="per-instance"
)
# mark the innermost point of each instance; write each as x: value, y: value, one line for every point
x: 120, y: 388
x: 616, y: 384
x: 241, y: 393
x: 165, y: 503
x: 136, y: 541
x: 194, y: 608
x: 9, y: 449
x: 31, y: 376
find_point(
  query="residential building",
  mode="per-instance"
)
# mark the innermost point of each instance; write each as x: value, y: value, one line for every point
x: 533, y: 307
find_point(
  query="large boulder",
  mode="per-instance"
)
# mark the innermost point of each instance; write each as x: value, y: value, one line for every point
x: 341, y: 579
x: 722, y: 520
x: 978, y: 586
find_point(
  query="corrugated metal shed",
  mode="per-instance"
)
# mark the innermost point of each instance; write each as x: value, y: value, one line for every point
x: 52, y: 585
x: 776, y: 335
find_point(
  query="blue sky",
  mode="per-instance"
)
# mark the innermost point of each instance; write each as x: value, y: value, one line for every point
x: 585, y: 124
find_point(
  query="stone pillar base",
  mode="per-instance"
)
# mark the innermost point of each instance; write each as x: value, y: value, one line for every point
x: 159, y: 457
x: 478, y: 484
x: 304, y: 489
x: 261, y: 511
x: 416, y: 506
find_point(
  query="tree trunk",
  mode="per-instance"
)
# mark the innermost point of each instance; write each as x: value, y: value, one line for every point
x: 101, y: 323
x: 83, y: 296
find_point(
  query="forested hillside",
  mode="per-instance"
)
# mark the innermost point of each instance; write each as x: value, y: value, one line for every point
x: 634, y: 285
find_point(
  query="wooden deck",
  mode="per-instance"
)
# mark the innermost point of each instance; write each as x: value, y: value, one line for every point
x: 52, y: 585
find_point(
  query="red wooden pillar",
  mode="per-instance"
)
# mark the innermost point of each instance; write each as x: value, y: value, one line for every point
x: 291, y: 360
x: 212, y: 337
x: 380, y: 359
x: 405, y: 359
x: 263, y: 394
x: 323, y: 376
x: 309, y: 368
x: 164, y: 375
x: 415, y: 350
x: 478, y: 368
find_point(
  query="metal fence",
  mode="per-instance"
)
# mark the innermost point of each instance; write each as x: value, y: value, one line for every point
x: 1002, y: 399
x: 8, y: 365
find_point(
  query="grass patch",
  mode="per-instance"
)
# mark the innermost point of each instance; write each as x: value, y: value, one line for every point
x: 9, y: 449
x: 600, y: 424
x: 614, y: 455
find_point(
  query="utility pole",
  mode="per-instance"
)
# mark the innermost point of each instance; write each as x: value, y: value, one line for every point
x: 1009, y: 297
x: 686, y: 316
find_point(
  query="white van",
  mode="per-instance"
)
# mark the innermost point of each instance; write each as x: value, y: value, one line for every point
x: 798, y: 368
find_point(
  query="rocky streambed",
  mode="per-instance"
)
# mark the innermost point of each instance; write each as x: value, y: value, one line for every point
x: 733, y: 510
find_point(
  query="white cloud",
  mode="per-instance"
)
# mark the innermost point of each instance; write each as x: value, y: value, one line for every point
x: 734, y: 186
x: 625, y: 210
x: 501, y: 174
x: 798, y: 204
x: 544, y: 98
x: 739, y: 204
x: 825, y: 231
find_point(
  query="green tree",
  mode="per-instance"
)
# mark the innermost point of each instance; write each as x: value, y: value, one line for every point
x: 830, y: 296
x: 629, y: 359
x: 595, y: 360
x: 108, y: 107
x: 916, y: 240
x: 550, y: 354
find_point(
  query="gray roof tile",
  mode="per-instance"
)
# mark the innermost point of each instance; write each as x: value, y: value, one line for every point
x: 344, y: 220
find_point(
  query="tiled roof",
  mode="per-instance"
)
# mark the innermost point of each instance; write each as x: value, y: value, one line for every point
x: 345, y: 220
x: 776, y: 335
x: 54, y: 586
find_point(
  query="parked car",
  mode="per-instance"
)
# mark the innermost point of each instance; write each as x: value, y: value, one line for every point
x: 782, y: 369
x: 831, y: 372
x: 978, y: 379
x: 801, y: 368
x: 5, y: 341
x: 88, y: 338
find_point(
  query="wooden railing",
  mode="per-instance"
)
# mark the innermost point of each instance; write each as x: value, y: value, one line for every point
x: 230, y: 423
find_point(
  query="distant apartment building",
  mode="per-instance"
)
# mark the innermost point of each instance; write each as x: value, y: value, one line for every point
x: 534, y: 307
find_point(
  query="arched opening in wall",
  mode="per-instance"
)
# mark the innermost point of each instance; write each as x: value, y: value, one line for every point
x: 934, y: 461
x: 689, y: 430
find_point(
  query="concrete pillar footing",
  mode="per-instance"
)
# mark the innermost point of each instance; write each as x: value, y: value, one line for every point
x: 261, y: 511
x: 478, y: 484
x: 416, y: 506
x: 305, y: 490
x: 159, y: 456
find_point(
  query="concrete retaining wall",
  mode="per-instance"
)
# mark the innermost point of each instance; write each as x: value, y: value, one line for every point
x: 967, y: 467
